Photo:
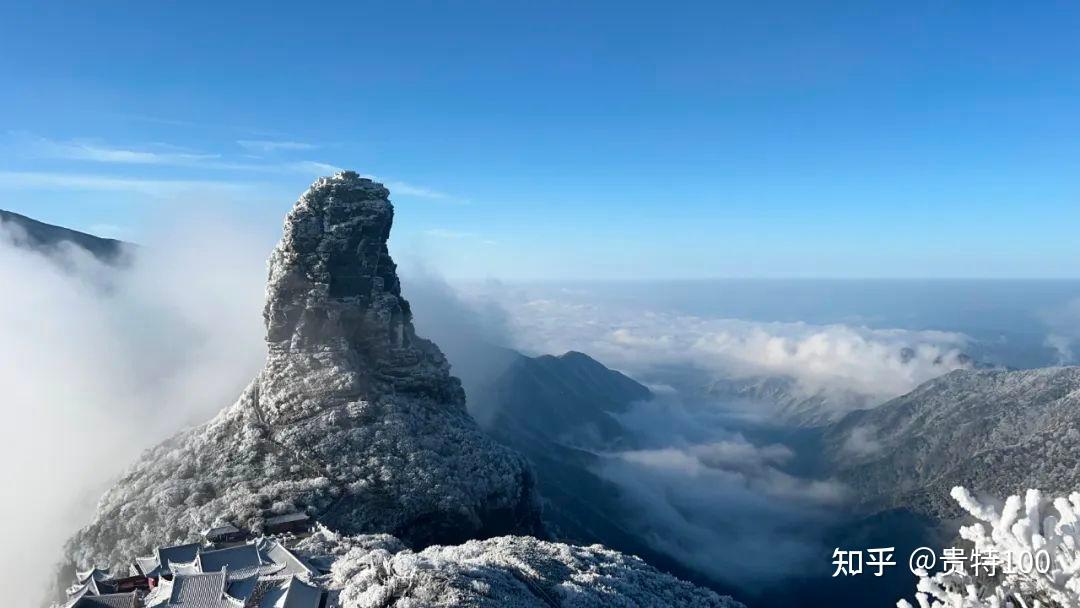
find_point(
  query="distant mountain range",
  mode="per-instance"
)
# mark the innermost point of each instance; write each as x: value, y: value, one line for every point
x: 44, y: 237
x: 991, y: 431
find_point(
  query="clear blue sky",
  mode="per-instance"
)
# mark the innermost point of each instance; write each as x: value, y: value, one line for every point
x: 576, y: 139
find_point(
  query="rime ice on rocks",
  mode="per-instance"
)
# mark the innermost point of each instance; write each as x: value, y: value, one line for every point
x: 354, y: 420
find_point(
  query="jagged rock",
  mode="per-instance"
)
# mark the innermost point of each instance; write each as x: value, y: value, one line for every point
x: 994, y: 432
x: 354, y: 419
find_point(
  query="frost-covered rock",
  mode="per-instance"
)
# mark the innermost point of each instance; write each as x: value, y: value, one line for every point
x: 354, y: 419
x: 997, y: 432
x: 509, y: 571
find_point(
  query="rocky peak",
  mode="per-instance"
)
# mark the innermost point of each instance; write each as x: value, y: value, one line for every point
x: 334, y: 295
x: 354, y: 419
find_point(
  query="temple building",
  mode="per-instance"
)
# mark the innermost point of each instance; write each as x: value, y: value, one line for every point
x: 263, y: 573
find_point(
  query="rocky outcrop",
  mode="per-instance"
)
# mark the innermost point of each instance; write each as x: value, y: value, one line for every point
x: 994, y: 432
x: 354, y: 419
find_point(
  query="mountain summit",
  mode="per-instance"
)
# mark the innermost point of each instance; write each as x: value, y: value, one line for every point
x: 354, y: 420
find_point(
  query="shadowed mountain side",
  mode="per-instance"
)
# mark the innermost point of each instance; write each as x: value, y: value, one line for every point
x: 43, y: 237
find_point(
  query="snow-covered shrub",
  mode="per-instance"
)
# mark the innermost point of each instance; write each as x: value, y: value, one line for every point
x: 1036, y: 540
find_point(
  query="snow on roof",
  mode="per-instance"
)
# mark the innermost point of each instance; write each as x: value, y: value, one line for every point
x: 221, y: 531
x: 87, y: 588
x: 287, y: 519
x: 98, y: 574
x: 180, y: 554
x: 115, y: 600
x: 184, y: 568
x: 277, y: 553
x: 242, y: 561
x: 301, y: 595
x: 198, y: 590
x: 242, y: 589
x: 146, y: 565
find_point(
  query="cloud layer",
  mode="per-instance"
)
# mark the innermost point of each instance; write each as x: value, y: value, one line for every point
x: 717, y: 502
x: 838, y: 360
x: 97, y: 364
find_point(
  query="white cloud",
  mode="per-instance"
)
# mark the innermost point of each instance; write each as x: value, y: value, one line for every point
x: 41, y: 180
x: 268, y: 146
x: 98, y: 364
x: 166, y: 155
x: 313, y: 167
x: 837, y: 361
x: 407, y: 189
x: 716, y: 502
x: 1064, y: 336
x: 102, y: 153
x: 862, y: 441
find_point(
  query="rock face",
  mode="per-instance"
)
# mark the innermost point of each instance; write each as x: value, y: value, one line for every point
x: 998, y: 432
x: 354, y: 419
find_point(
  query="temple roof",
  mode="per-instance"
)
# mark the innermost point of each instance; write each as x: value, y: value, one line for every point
x: 114, y: 600
x: 98, y: 574
x: 277, y: 553
x: 301, y: 595
x: 241, y: 589
x: 287, y: 519
x: 198, y: 590
x: 177, y: 554
x: 224, y: 530
x: 146, y: 565
x: 242, y: 561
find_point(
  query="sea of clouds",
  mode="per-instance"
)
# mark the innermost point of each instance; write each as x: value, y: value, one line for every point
x: 838, y: 360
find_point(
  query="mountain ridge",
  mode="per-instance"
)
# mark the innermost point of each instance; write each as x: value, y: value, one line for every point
x: 40, y: 236
x: 1021, y: 425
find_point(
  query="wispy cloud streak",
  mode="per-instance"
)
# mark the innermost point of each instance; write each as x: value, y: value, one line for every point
x: 265, y: 146
x: 38, y: 180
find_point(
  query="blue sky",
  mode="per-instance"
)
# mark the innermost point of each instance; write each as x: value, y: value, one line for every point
x: 571, y: 140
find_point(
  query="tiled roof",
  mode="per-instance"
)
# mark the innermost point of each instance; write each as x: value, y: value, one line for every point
x: 178, y: 554
x: 115, y: 600
x: 78, y: 590
x: 185, y: 568
x: 225, y: 530
x: 242, y: 561
x: 242, y: 589
x: 147, y: 565
x: 301, y: 595
x: 198, y: 590
x: 274, y: 551
x: 287, y: 519
x: 98, y: 574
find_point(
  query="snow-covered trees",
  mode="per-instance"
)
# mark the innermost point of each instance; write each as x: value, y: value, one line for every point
x: 1028, y: 549
x: 503, y: 572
